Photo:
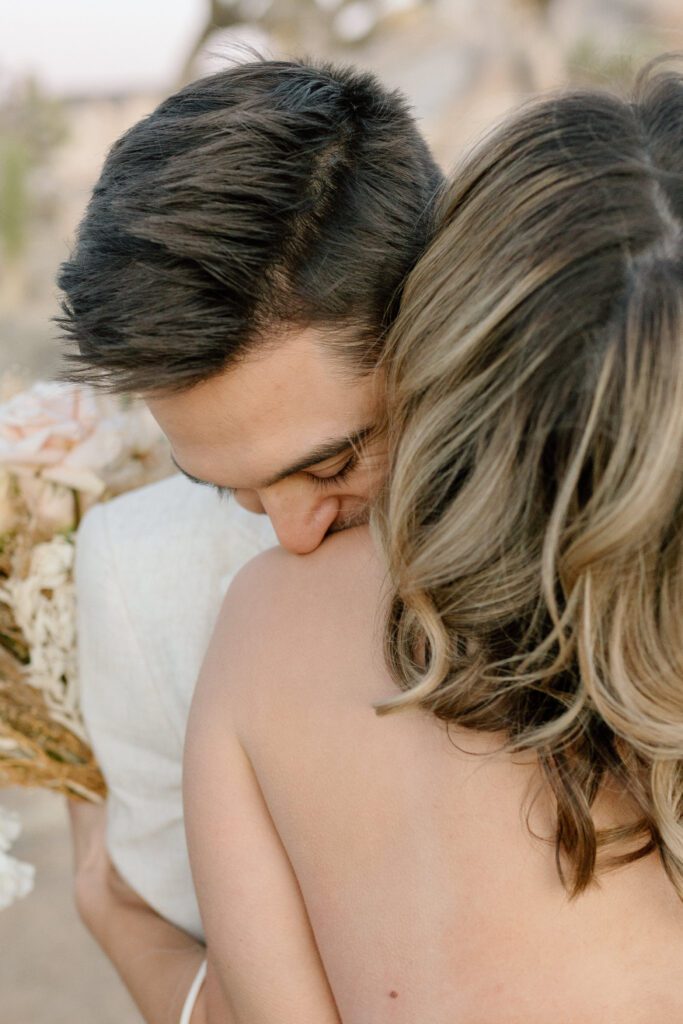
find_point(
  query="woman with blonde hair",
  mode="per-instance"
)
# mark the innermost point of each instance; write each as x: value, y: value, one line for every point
x: 442, y: 779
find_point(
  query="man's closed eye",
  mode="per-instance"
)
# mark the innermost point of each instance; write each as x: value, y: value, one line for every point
x: 339, y: 477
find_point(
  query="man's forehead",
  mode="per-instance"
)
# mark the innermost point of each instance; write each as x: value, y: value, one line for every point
x: 271, y: 380
x: 255, y: 421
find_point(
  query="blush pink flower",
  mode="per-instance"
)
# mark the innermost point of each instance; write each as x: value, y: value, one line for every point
x: 61, y: 439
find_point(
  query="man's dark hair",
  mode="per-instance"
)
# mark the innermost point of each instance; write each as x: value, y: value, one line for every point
x: 270, y: 195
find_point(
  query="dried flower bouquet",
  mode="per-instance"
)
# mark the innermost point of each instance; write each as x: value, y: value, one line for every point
x: 62, y: 449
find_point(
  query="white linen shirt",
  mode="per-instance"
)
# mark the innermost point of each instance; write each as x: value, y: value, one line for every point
x: 152, y: 567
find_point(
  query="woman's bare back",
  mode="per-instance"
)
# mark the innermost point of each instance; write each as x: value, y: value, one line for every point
x: 430, y: 899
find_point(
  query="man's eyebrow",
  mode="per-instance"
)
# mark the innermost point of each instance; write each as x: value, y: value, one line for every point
x: 321, y: 453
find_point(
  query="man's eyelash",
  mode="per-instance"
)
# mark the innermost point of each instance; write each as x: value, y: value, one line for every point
x: 329, y: 481
x: 223, y: 492
x: 338, y: 478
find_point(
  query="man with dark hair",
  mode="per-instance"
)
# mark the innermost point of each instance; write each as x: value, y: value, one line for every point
x: 238, y: 267
x: 245, y: 247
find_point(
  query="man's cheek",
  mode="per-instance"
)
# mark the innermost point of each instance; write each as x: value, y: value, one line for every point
x: 250, y: 501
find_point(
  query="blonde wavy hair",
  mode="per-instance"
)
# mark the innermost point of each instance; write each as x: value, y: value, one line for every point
x: 533, y: 525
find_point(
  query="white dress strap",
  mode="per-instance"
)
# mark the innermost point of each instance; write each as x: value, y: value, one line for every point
x: 192, y: 994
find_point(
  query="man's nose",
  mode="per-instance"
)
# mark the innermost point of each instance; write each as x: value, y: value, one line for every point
x: 301, y: 527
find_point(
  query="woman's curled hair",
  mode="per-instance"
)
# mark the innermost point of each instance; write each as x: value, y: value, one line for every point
x: 533, y: 525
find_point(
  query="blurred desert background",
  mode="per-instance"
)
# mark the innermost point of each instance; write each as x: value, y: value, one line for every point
x: 74, y: 74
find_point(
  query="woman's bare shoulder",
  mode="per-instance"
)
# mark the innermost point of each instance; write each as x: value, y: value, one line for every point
x: 279, y: 585
x: 284, y: 613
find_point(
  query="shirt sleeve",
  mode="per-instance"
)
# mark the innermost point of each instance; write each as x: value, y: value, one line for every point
x: 137, y: 742
x: 152, y: 567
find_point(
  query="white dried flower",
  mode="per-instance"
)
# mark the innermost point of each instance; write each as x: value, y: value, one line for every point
x: 16, y: 877
x: 44, y: 607
x: 10, y: 828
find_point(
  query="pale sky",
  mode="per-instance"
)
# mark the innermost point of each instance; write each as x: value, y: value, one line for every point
x: 98, y: 46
